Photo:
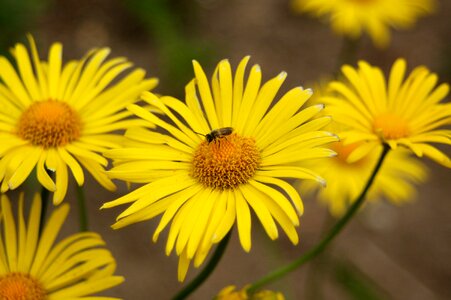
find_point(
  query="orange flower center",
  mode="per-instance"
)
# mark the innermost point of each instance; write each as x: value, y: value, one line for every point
x: 18, y: 286
x: 343, y: 152
x: 49, y: 124
x: 390, y: 126
x: 225, y: 162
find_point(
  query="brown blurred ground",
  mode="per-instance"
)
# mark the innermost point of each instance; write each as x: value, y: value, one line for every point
x: 405, y: 250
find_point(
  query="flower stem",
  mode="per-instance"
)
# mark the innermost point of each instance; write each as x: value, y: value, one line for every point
x: 45, y: 195
x: 203, y: 275
x: 279, y: 273
x: 82, y: 210
x: 348, y: 52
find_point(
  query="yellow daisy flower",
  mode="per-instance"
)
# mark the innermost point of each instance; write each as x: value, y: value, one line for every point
x: 229, y: 293
x: 352, y: 17
x: 346, y: 180
x: 33, y: 267
x: 57, y: 116
x: 225, y: 152
x: 399, y: 112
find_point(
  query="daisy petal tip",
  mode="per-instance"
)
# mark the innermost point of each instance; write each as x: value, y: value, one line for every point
x: 4, y: 188
x: 282, y: 75
x: 7, y: 187
x: 309, y: 91
x: 120, y: 279
x: 155, y: 237
x: 214, y: 238
x: 337, y: 138
x: 105, y: 205
x: 322, y: 181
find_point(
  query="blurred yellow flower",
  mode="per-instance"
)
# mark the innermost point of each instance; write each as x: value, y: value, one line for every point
x: 206, y: 184
x: 33, y: 267
x: 352, y: 17
x: 54, y: 116
x: 346, y: 180
x: 398, y: 112
x: 229, y: 293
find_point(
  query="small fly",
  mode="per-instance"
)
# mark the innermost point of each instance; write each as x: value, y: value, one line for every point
x: 217, y: 134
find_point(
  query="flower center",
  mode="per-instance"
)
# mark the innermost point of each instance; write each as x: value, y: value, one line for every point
x: 49, y: 124
x: 225, y: 162
x: 19, y: 286
x: 390, y: 126
x: 343, y: 152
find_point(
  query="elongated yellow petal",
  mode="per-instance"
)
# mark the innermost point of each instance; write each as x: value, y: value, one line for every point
x: 48, y: 237
x: 9, y: 230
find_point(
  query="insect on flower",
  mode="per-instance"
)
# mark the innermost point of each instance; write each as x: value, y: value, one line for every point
x: 217, y: 133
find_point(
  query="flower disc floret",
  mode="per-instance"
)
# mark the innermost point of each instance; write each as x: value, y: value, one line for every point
x: 226, y: 162
x: 19, y: 286
x: 390, y: 127
x: 49, y: 124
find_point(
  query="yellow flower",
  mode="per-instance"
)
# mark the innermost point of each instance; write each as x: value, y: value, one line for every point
x: 229, y: 293
x: 204, y: 186
x: 33, y: 267
x: 346, y: 180
x: 400, y: 112
x: 54, y: 116
x: 351, y: 17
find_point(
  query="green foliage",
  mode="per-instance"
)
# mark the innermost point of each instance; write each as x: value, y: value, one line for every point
x: 355, y: 283
x: 16, y: 17
x: 175, y: 49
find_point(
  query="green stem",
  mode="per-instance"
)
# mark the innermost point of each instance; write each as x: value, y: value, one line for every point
x: 82, y: 210
x: 315, y: 272
x: 279, y: 273
x: 348, y: 52
x: 202, y: 276
x: 45, y: 195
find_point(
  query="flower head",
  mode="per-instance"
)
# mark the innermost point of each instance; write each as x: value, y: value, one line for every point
x: 229, y: 293
x: 32, y: 266
x: 352, y: 17
x: 205, y: 185
x: 346, y: 180
x: 400, y: 112
x: 56, y: 116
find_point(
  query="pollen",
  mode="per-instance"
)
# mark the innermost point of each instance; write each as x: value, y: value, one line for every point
x: 49, y: 124
x: 226, y: 162
x: 19, y: 286
x: 390, y: 127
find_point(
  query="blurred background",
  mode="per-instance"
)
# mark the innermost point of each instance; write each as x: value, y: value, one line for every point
x: 386, y: 252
